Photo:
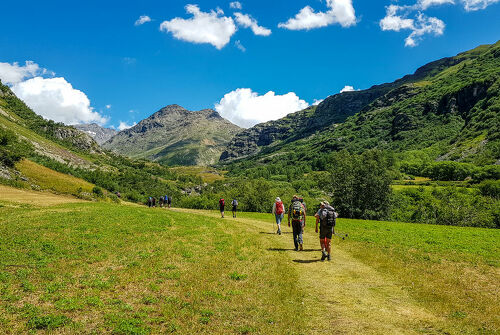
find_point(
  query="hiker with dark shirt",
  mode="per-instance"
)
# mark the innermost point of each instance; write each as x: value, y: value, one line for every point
x: 297, y: 215
x: 222, y: 203
x: 326, y: 217
x: 234, y: 203
x: 169, y: 201
x: 154, y: 202
x: 279, y: 213
x: 150, y: 202
x: 161, y: 201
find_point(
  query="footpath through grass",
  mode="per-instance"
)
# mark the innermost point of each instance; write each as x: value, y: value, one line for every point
x: 93, y: 268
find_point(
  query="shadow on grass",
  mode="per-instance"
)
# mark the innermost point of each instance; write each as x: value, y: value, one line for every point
x: 306, y: 261
x: 291, y: 249
x: 268, y: 233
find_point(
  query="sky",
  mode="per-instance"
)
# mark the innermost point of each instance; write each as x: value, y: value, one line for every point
x: 118, y: 62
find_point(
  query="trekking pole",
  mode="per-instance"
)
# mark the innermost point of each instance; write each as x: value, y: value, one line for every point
x: 341, y: 235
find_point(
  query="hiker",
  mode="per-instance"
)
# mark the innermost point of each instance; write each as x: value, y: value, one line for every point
x: 326, y: 217
x: 169, y: 201
x: 161, y: 201
x: 222, y: 203
x: 234, y: 203
x: 297, y: 213
x: 118, y: 194
x: 150, y: 202
x: 154, y: 202
x: 279, y: 213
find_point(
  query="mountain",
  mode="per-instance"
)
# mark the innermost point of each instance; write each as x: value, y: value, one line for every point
x: 98, y: 133
x: 176, y: 136
x: 449, y: 107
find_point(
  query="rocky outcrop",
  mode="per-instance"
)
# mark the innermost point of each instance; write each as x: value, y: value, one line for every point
x: 78, y: 139
x: 98, y: 133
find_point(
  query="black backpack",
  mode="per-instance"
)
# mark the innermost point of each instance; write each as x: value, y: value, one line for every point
x: 330, y: 218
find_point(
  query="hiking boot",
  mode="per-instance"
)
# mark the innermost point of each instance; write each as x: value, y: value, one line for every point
x: 301, y: 247
x: 279, y: 231
x: 328, y: 257
x: 296, y: 249
x: 323, y: 255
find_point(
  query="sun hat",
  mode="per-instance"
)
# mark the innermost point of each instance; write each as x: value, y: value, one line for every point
x: 278, y: 199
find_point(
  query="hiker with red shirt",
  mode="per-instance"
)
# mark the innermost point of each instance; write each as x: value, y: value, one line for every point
x: 222, y: 203
x: 279, y: 213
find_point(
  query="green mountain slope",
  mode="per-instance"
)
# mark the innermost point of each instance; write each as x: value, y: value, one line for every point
x: 176, y: 136
x: 43, y: 155
x: 450, y: 108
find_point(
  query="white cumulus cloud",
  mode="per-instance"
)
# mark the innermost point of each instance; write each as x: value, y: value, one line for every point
x: 247, y: 21
x: 396, y: 19
x: 125, y: 125
x: 472, y: 5
x: 11, y: 74
x: 247, y: 108
x: 424, y: 4
x: 56, y: 99
x: 108, y: 106
x: 340, y: 11
x: 235, y: 5
x: 347, y: 88
x: 142, y: 19
x: 317, y: 101
x: 204, y: 27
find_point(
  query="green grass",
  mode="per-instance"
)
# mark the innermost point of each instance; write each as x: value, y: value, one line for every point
x: 453, y: 271
x: 106, y: 268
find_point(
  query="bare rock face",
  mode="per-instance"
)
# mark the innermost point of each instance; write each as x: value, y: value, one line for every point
x: 80, y: 140
x: 176, y: 136
x: 98, y: 133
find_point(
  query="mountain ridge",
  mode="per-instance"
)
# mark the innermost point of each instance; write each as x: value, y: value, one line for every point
x: 176, y: 136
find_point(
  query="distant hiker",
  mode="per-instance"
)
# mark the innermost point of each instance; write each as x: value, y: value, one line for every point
x: 150, y: 202
x: 222, y: 203
x: 161, y: 201
x: 297, y: 213
x: 303, y: 202
x: 169, y: 201
x: 279, y: 213
x: 154, y: 202
x: 326, y: 217
x: 118, y: 194
x: 234, y: 203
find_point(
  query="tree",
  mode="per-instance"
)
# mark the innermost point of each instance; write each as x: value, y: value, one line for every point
x: 361, y: 184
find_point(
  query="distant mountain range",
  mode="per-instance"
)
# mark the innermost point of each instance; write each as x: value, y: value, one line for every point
x: 450, y: 108
x: 98, y: 133
x: 176, y: 136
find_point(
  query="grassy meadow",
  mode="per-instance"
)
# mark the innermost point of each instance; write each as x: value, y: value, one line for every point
x: 104, y: 268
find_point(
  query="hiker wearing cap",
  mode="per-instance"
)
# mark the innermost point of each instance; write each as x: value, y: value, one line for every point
x: 297, y: 214
x: 326, y: 217
x: 279, y: 213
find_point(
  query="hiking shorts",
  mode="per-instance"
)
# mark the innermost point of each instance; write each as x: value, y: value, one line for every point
x: 222, y: 208
x: 234, y: 208
x: 325, y: 232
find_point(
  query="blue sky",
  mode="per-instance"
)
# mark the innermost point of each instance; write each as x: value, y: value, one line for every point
x: 127, y: 71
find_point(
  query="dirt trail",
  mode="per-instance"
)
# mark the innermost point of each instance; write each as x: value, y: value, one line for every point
x: 345, y: 296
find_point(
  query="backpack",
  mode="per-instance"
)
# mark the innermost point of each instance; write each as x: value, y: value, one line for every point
x: 279, y: 207
x: 166, y: 198
x: 235, y: 202
x: 222, y: 202
x: 297, y: 211
x: 330, y: 219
